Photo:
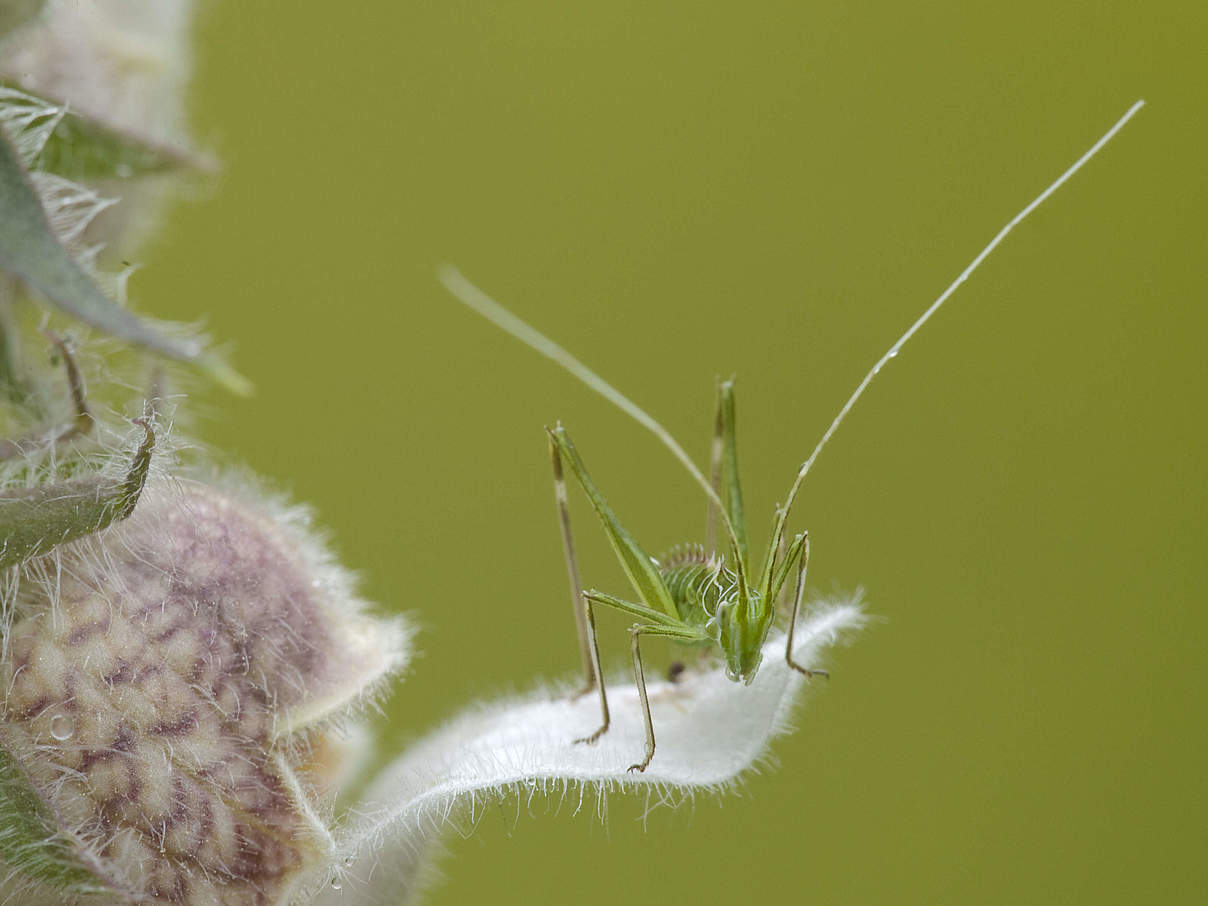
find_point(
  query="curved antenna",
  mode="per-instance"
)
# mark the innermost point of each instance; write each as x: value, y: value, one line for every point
x: 470, y: 295
x: 935, y: 306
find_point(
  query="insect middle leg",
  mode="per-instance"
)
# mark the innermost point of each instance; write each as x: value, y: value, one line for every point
x: 639, y: 677
x: 788, y: 647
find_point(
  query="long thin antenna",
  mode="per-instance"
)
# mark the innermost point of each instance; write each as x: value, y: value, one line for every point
x: 475, y: 298
x: 470, y: 295
x: 952, y: 287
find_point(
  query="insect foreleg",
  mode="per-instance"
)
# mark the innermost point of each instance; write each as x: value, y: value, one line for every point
x: 788, y: 645
x: 781, y: 548
x: 584, y: 621
x: 786, y: 556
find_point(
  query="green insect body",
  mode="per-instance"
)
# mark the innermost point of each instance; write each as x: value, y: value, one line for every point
x: 698, y: 582
x: 713, y: 594
x: 695, y: 596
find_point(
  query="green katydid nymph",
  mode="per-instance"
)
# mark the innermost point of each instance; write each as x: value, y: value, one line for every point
x: 704, y: 594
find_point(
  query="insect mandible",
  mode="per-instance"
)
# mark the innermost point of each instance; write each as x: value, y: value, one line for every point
x: 700, y: 595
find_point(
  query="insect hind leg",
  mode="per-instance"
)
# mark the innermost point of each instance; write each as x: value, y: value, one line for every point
x: 585, y: 621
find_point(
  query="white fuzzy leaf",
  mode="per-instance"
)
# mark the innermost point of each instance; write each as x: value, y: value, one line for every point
x: 708, y: 731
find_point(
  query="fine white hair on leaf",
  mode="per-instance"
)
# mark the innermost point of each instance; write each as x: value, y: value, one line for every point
x: 70, y: 208
x: 710, y: 731
x: 28, y: 121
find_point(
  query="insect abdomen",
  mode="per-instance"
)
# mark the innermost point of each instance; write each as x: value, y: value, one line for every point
x: 697, y: 582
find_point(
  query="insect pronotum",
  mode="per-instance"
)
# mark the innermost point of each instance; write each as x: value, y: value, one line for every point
x: 700, y: 595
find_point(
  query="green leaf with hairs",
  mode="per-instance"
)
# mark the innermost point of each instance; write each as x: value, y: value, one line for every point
x: 78, y: 147
x: 34, y: 521
x: 30, y: 249
x: 30, y: 842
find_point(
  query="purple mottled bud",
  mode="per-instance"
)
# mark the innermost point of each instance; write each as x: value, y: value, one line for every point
x: 171, y: 685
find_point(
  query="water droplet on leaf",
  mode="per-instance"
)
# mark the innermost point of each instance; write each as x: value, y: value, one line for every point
x: 62, y: 727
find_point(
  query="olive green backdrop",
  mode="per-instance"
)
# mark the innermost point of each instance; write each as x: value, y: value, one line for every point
x: 681, y: 190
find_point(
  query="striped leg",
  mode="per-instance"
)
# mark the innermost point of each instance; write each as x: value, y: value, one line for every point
x: 585, y: 621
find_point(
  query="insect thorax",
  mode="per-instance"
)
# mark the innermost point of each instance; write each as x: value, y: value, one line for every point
x: 698, y: 582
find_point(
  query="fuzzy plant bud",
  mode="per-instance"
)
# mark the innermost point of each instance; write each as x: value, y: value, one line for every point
x: 92, y: 143
x: 112, y: 74
x: 172, y: 689
x: 121, y: 61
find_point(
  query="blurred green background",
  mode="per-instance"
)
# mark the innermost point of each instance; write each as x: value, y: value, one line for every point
x: 776, y: 190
